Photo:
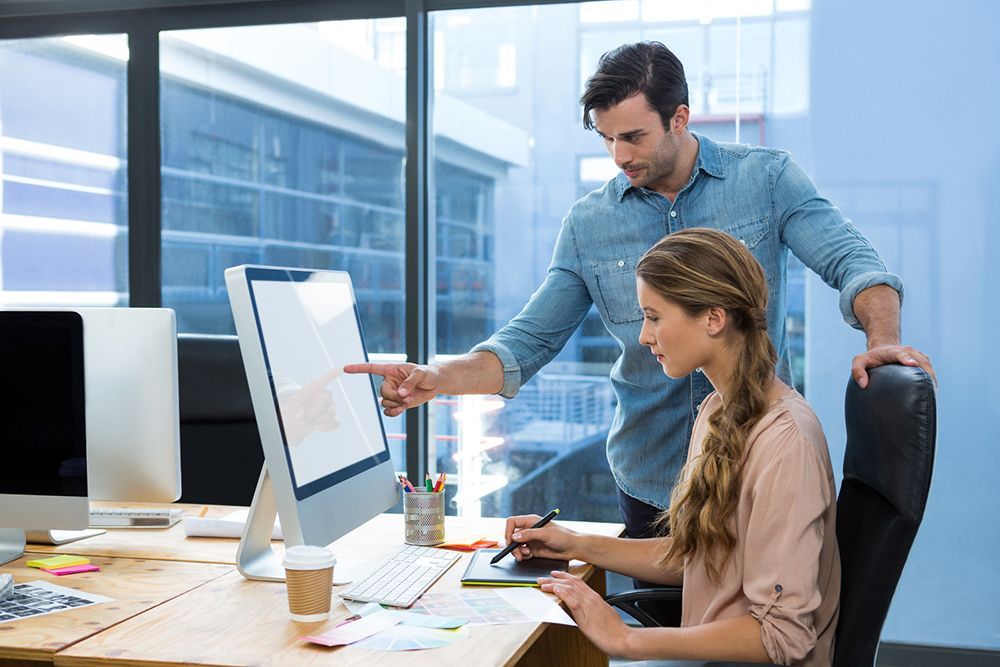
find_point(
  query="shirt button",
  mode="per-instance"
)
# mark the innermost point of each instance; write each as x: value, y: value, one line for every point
x: 621, y: 262
x: 673, y: 214
x: 742, y: 242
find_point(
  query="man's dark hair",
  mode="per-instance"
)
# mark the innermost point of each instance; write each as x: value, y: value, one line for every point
x: 649, y: 68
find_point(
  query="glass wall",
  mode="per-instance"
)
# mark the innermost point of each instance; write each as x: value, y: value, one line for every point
x: 902, y: 133
x: 515, y: 95
x: 284, y: 145
x: 63, y: 200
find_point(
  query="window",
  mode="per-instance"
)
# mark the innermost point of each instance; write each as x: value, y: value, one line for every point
x: 63, y: 201
x: 284, y: 145
x: 499, y: 209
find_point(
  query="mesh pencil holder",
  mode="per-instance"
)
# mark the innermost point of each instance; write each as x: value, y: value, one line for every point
x: 423, y: 518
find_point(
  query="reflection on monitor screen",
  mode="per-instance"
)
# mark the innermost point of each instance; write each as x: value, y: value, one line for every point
x: 329, y: 422
x: 327, y: 467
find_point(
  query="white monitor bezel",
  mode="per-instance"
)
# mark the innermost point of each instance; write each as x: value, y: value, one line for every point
x: 325, y: 509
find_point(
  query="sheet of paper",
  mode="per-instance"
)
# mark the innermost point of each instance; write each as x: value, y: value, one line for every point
x: 409, y: 638
x: 426, y: 621
x: 354, y: 631
x: 230, y: 525
x: 36, y: 598
x: 490, y: 606
x: 536, y: 605
x: 405, y: 617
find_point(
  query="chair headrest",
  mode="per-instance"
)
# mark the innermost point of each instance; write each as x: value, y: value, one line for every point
x: 891, y: 434
x: 213, y: 384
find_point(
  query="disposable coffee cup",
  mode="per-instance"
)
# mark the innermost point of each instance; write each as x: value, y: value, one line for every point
x: 309, y: 579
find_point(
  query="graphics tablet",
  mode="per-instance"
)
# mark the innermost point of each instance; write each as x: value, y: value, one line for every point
x: 508, y: 572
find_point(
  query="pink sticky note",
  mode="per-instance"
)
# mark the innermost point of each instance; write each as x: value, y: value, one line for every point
x: 72, y: 569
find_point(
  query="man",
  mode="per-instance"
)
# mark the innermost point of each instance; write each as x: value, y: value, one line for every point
x: 637, y: 102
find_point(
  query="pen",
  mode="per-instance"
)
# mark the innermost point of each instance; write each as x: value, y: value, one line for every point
x: 513, y: 545
x: 427, y: 483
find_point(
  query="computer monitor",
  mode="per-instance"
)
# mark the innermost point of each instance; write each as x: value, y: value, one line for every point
x: 133, y: 422
x: 43, y: 437
x: 133, y: 418
x: 327, y: 467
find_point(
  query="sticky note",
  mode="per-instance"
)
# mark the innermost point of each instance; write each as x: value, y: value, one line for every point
x: 56, y: 562
x: 72, y: 569
x: 470, y: 546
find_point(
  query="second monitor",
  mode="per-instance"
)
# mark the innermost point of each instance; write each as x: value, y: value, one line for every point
x: 326, y: 455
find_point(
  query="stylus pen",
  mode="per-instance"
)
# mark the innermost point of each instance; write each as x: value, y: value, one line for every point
x: 513, y: 545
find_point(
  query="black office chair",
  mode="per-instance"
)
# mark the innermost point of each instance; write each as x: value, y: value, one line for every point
x: 891, y: 435
x: 221, y: 454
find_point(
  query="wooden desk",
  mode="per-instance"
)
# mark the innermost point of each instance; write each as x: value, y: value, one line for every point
x: 231, y: 621
x: 135, y: 586
x: 155, y: 543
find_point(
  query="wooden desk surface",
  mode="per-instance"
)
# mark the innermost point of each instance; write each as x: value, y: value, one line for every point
x: 231, y: 621
x: 155, y: 543
x: 135, y: 586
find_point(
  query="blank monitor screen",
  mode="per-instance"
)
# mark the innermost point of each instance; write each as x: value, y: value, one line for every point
x: 309, y: 329
x: 133, y: 424
x: 42, y: 429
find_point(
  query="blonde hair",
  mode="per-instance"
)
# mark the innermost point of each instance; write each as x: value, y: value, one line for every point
x: 698, y: 269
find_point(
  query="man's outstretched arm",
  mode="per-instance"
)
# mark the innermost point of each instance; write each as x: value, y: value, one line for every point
x: 409, y: 385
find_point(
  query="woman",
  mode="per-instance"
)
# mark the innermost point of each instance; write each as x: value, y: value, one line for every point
x: 752, y: 518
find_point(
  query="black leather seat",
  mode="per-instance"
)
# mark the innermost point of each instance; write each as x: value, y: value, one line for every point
x: 889, y: 458
x: 221, y: 455
x: 891, y: 436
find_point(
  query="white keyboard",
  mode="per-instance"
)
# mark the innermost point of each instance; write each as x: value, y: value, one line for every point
x: 402, y: 577
x: 136, y: 517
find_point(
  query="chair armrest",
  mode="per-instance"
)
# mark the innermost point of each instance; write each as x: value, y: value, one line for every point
x: 629, y: 602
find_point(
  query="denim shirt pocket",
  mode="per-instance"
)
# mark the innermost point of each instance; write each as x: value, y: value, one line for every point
x: 616, y: 284
x: 749, y: 233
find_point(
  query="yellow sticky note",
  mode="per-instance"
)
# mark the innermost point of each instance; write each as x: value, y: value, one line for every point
x: 58, y: 561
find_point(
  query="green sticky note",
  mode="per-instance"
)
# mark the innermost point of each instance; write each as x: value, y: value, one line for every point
x: 58, y: 561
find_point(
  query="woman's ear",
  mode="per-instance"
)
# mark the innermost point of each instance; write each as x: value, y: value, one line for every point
x: 715, y: 321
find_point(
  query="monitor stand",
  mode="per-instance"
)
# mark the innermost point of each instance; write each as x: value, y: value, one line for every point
x: 11, y: 544
x: 255, y: 559
x: 60, y: 536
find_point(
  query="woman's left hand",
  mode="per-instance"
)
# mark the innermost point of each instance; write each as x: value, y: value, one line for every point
x: 595, y: 617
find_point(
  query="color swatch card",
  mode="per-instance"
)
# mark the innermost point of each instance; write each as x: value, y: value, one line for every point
x: 348, y: 633
x: 492, y: 606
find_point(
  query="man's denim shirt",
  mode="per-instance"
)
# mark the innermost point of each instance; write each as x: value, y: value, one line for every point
x: 758, y: 195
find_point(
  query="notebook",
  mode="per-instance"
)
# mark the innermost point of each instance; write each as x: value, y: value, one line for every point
x: 508, y: 572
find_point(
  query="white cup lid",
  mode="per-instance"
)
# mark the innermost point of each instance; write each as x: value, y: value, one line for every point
x: 306, y: 557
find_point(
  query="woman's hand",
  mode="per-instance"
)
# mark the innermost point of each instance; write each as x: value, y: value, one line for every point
x: 595, y: 617
x: 549, y: 541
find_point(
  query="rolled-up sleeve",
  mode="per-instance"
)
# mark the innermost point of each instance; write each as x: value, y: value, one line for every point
x: 537, y: 334
x: 784, y: 541
x: 823, y: 239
